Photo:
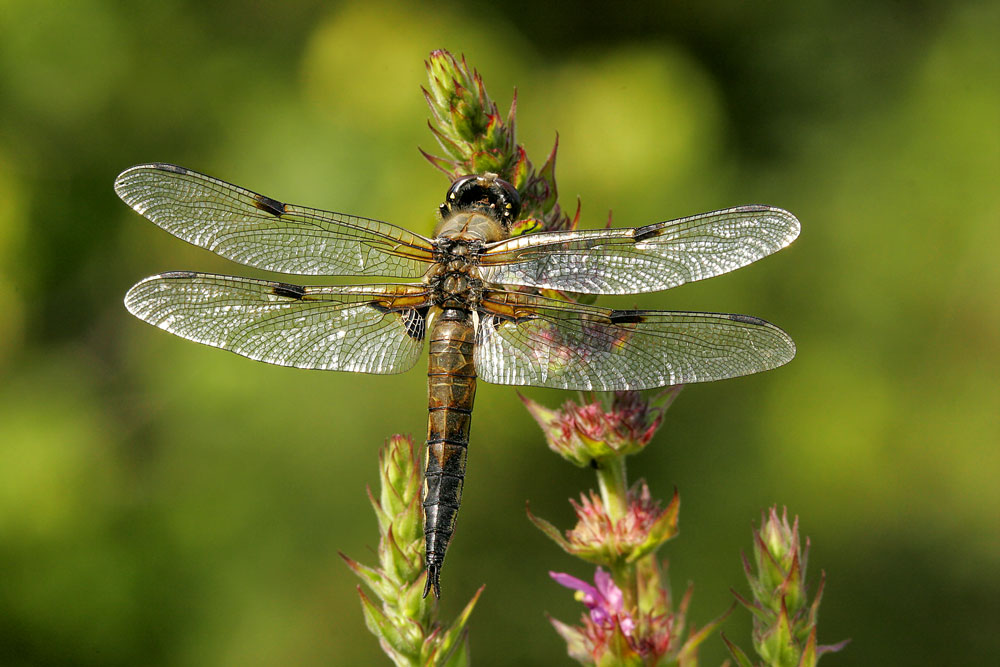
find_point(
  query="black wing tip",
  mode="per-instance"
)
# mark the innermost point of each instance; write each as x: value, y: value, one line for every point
x: 169, y: 275
x: 748, y: 319
x: 789, y: 221
x: 153, y: 166
x: 122, y: 180
x: 166, y: 166
x: 123, y: 186
x: 777, y: 355
x: 760, y: 208
x: 780, y: 357
x: 129, y: 300
x: 175, y: 275
x: 755, y: 208
x: 760, y: 322
x: 794, y: 226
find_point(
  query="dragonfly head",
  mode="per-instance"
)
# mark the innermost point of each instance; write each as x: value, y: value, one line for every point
x: 486, y: 193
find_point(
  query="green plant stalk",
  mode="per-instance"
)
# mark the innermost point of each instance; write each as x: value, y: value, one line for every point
x: 612, y: 484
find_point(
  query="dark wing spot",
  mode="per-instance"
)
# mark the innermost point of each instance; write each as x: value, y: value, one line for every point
x: 268, y: 205
x: 626, y: 317
x: 647, y: 232
x: 179, y: 274
x: 746, y: 319
x: 414, y: 322
x: 289, y: 290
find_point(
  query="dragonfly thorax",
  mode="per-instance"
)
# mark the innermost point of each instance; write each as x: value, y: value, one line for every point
x: 455, y: 275
x: 470, y: 226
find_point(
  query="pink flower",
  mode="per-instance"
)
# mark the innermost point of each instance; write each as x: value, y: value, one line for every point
x: 604, y: 600
x: 603, y: 540
x: 610, y: 633
x: 602, y: 428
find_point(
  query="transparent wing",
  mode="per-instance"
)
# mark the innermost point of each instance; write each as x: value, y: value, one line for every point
x: 531, y: 340
x: 255, y: 230
x: 361, y: 328
x: 644, y: 259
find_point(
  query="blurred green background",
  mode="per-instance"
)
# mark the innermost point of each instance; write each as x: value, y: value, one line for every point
x: 164, y: 503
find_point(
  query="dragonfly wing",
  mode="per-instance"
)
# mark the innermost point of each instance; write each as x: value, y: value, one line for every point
x: 361, y: 328
x: 644, y: 259
x: 531, y: 340
x: 255, y: 230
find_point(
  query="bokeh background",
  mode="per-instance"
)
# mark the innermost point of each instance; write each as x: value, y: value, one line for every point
x: 163, y: 503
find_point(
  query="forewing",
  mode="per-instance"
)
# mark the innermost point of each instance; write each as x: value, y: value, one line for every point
x: 644, y: 259
x: 362, y: 328
x: 531, y: 340
x: 255, y: 230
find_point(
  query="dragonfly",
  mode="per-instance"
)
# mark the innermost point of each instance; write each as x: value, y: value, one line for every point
x: 473, y: 290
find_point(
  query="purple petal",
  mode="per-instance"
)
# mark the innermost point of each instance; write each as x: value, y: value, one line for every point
x: 603, y: 580
x: 609, y: 592
x: 600, y: 616
x: 590, y: 594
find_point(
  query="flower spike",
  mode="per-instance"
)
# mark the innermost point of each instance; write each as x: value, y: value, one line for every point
x: 405, y: 623
x: 468, y: 127
x: 784, y: 621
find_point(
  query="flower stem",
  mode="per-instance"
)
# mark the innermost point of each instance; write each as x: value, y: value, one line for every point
x: 613, y: 486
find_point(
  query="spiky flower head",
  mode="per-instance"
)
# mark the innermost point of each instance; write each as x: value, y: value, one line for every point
x: 603, y: 539
x: 784, y: 625
x: 609, y: 425
x: 477, y: 139
x: 405, y: 622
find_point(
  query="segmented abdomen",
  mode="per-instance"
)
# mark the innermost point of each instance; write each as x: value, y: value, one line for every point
x: 451, y: 391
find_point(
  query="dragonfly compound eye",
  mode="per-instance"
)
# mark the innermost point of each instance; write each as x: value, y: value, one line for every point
x: 487, y: 193
x: 511, y: 200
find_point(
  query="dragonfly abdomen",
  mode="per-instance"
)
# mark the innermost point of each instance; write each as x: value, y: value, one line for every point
x: 451, y: 392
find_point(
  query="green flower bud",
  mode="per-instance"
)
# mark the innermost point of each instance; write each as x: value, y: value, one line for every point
x: 399, y: 616
x: 476, y: 138
x: 784, y: 622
